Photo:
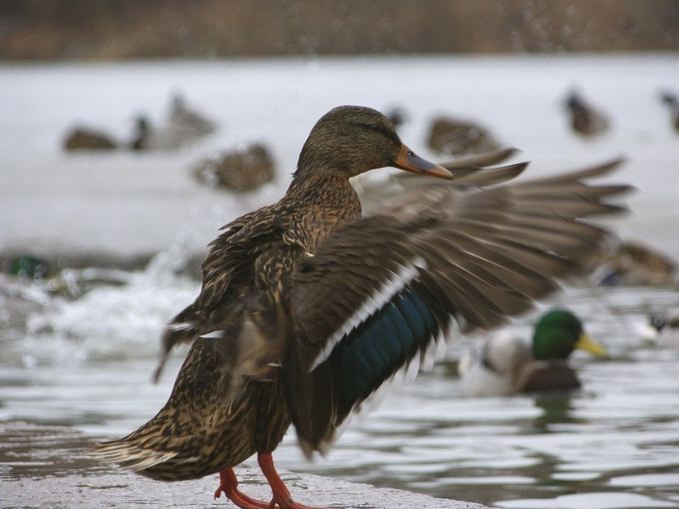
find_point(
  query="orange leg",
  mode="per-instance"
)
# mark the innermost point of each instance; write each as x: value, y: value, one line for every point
x: 281, y: 495
x: 228, y: 484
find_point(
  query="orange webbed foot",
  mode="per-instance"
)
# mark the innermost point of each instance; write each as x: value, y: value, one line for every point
x: 228, y: 484
x: 281, y: 495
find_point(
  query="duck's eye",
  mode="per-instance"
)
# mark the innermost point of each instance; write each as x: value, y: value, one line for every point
x: 411, y: 153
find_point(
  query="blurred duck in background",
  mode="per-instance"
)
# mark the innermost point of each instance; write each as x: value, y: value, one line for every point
x: 672, y: 103
x: 507, y: 365
x: 85, y: 138
x: 240, y: 171
x: 142, y: 133
x: 183, y: 127
x: 585, y: 120
x: 631, y: 263
x: 189, y: 121
x: 398, y: 116
x: 456, y: 137
x: 666, y: 326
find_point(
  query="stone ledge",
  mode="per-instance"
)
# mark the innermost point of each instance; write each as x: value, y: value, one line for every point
x: 48, y: 466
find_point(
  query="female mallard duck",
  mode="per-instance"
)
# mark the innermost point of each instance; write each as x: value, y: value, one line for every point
x: 633, y: 263
x: 460, y: 137
x: 507, y: 365
x: 584, y: 119
x: 240, y: 171
x: 306, y: 308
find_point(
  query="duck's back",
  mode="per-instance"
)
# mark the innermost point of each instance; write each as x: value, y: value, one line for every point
x: 204, y: 427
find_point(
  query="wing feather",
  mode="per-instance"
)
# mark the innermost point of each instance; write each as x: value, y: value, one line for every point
x: 377, y: 293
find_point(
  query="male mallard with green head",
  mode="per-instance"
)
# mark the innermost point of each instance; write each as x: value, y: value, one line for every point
x: 507, y: 365
x: 307, y: 308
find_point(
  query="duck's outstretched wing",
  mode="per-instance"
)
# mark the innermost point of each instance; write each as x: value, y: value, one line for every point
x: 378, y: 294
x: 482, y: 160
x: 470, y: 172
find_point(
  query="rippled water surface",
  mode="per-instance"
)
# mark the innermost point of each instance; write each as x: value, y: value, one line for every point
x: 86, y: 363
x: 613, y: 444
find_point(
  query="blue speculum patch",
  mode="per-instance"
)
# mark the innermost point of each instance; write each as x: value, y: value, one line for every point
x: 380, y: 345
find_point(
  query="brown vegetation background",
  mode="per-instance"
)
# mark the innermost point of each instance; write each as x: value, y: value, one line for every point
x: 123, y: 29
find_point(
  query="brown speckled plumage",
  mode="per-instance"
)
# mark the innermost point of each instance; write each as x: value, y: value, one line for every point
x: 204, y: 429
x: 194, y: 432
x: 307, y: 308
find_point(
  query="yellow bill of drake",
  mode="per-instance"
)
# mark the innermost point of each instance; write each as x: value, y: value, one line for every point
x: 589, y: 345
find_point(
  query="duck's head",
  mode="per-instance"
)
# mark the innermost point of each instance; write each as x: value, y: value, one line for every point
x: 177, y: 101
x: 574, y: 101
x: 350, y: 140
x: 558, y: 333
x: 669, y: 99
x: 142, y: 124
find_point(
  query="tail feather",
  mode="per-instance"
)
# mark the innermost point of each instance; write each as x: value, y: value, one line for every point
x: 164, y: 465
x: 130, y: 455
x: 196, y: 433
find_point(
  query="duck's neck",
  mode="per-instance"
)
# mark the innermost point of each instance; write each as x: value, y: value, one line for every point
x: 323, y: 188
x: 316, y: 204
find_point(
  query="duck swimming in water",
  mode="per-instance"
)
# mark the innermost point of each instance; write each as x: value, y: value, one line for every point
x: 307, y: 307
x: 507, y: 365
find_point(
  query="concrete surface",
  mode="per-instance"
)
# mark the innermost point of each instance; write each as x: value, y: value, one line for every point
x: 48, y: 467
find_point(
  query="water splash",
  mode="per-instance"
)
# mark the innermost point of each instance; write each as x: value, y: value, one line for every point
x: 108, y: 322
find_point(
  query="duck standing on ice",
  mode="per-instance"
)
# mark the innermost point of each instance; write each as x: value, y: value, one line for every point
x: 307, y: 307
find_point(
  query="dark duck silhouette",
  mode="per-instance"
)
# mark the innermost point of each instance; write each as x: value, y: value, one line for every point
x: 142, y: 132
x: 585, y: 120
x: 672, y: 103
x: 398, y: 116
x: 307, y: 307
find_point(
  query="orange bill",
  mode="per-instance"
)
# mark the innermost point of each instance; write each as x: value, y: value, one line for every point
x: 409, y: 161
